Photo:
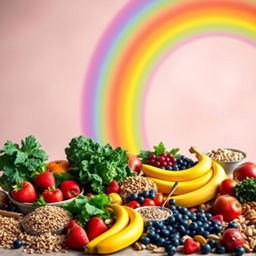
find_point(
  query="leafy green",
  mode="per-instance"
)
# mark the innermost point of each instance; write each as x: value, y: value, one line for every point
x: 20, y: 162
x: 40, y: 202
x: 246, y: 190
x: 95, y: 166
x: 158, y: 150
x: 84, y: 207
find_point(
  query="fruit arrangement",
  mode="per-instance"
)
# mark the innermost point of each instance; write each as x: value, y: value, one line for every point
x: 112, y: 199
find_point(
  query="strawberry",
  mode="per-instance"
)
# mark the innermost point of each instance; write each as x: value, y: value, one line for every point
x: 24, y: 192
x: 70, y: 189
x: 217, y: 217
x: 71, y: 225
x: 113, y: 187
x: 77, y: 238
x: 52, y: 195
x: 44, y: 180
x: 95, y: 227
x: 190, y: 246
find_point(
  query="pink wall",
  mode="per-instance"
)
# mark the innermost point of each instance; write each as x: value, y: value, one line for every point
x: 206, y: 88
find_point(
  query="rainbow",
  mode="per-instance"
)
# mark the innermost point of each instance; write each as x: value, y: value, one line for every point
x: 142, y: 34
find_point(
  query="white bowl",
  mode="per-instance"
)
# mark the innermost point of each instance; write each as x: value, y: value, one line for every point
x: 29, y: 207
x: 230, y: 166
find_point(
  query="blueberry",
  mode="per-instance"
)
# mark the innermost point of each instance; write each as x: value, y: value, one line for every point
x: 134, y: 196
x: 171, y: 220
x: 184, y: 223
x: 160, y: 241
x: 193, y: 216
x: 199, y: 223
x: 199, y: 230
x: 212, y: 243
x: 145, y: 194
x: 175, y: 242
x: 232, y: 224
x: 205, y: 248
x: 141, y: 199
x: 145, y: 240
x: 172, y: 202
x: 166, y: 244
x: 178, y: 217
x: 171, y: 250
x: 239, y: 251
x: 159, y: 225
x: 205, y: 233
x: 157, y: 236
x: 181, y: 241
x: 170, y: 228
x: 177, y: 235
x: 17, y: 244
x: 172, y: 207
x: 175, y: 212
x: 152, y: 191
x: 165, y: 233
x: 192, y: 233
x: 216, y: 228
x: 150, y: 223
x: 169, y: 168
x: 208, y: 215
x: 216, y: 222
x: 151, y: 234
x: 220, y: 249
x: 206, y: 225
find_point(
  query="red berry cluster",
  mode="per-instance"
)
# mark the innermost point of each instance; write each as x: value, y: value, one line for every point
x: 162, y: 160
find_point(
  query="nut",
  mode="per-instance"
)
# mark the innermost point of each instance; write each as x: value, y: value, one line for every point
x: 159, y: 250
x: 137, y: 246
x: 151, y: 247
x: 225, y: 155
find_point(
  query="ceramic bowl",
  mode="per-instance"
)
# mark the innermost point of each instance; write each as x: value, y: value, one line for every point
x: 230, y: 166
x: 29, y: 207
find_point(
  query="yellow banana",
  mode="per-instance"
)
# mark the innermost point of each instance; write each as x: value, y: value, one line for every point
x: 122, y: 219
x: 202, y: 167
x: 124, y: 238
x: 206, y: 192
x: 185, y: 186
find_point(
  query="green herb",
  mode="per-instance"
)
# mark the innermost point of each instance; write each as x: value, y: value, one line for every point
x: 84, y: 207
x: 95, y: 166
x: 158, y: 150
x: 246, y: 190
x: 20, y: 162
x: 40, y: 202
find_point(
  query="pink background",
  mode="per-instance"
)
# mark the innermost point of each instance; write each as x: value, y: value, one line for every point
x: 204, y: 89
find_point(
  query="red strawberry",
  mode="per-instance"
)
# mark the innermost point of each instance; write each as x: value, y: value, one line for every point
x: 70, y: 189
x: 113, y: 187
x: 95, y: 227
x: 77, y: 238
x: 190, y: 246
x: 71, y: 225
x: 217, y: 217
x: 24, y: 192
x: 45, y: 180
x: 52, y: 195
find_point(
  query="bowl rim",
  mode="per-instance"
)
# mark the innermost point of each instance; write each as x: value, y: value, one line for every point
x: 49, y: 204
x: 228, y: 162
x: 157, y: 207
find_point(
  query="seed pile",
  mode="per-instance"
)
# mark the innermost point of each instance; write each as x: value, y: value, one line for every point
x: 43, y: 243
x: 153, y: 213
x: 10, y: 230
x: 225, y: 155
x: 247, y: 225
x: 46, y: 219
x: 136, y: 184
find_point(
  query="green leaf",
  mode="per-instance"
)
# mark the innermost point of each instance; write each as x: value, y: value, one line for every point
x: 21, y: 157
x: 246, y: 190
x: 10, y: 148
x: 159, y: 149
x: 40, y: 201
x: 174, y: 152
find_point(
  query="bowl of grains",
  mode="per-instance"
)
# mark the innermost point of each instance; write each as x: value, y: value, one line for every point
x: 228, y: 158
x: 46, y: 219
x: 154, y: 213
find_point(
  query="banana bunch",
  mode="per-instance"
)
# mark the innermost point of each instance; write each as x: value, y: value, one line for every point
x: 127, y: 229
x: 197, y: 184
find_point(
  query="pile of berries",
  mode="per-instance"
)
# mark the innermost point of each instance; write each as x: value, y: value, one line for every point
x: 145, y: 198
x: 168, y: 162
x: 183, y: 222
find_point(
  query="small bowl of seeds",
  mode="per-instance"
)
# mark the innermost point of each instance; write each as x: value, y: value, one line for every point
x: 154, y: 213
x: 228, y: 158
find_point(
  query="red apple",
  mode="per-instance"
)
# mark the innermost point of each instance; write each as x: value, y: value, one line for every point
x: 247, y: 169
x: 228, y: 207
x: 134, y: 163
x: 232, y: 238
x: 227, y: 187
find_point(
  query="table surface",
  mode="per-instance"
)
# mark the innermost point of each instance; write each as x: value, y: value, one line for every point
x: 128, y: 251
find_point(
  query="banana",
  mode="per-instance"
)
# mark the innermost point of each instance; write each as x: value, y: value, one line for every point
x: 124, y: 238
x: 202, y: 167
x: 185, y: 186
x: 206, y: 192
x: 122, y: 219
